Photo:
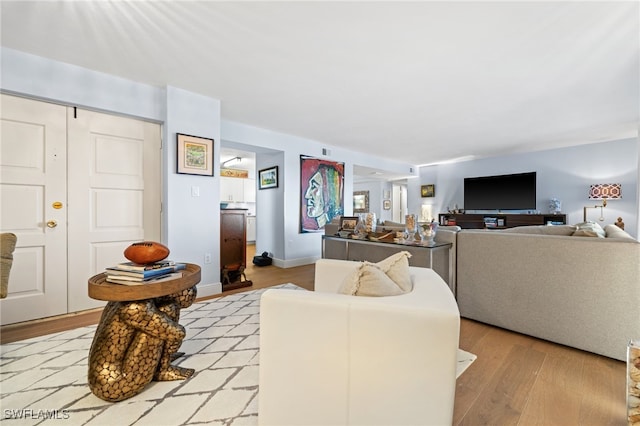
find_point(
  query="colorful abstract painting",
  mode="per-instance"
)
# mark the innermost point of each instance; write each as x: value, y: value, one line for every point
x: 321, y: 192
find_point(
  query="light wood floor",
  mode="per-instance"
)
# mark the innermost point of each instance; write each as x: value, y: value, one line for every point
x: 516, y: 380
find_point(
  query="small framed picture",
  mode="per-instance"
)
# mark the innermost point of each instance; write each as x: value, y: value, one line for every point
x: 386, y: 204
x: 360, y: 201
x: 428, y: 190
x: 268, y: 178
x: 195, y: 155
x: 348, y: 223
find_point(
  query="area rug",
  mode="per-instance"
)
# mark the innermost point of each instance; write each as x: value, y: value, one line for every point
x: 44, y: 380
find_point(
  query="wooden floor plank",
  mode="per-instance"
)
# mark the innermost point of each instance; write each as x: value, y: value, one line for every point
x: 492, y: 346
x: 505, y: 396
x: 555, y: 397
x: 603, y: 391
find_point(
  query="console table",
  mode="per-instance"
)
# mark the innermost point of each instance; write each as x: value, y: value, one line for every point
x: 434, y: 256
x: 138, y: 335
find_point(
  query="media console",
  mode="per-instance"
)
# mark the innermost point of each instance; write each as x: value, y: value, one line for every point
x: 499, y: 220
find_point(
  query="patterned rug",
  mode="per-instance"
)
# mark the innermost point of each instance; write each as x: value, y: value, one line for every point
x: 44, y: 380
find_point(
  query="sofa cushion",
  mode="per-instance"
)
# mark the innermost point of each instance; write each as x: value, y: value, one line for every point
x: 613, y: 231
x: 396, y: 267
x: 563, y: 230
x: 369, y: 280
x: 589, y: 229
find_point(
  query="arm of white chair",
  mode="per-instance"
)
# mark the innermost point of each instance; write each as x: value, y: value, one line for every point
x: 303, y: 357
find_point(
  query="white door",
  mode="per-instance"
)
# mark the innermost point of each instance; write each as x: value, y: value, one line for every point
x: 77, y: 187
x: 33, y: 168
x: 114, y: 194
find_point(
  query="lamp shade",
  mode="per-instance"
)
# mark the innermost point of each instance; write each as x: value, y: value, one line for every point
x: 608, y: 191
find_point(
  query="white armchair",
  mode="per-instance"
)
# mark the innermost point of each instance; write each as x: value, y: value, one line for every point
x: 333, y: 359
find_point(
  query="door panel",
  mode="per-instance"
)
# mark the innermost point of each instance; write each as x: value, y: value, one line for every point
x: 32, y: 178
x: 114, y: 173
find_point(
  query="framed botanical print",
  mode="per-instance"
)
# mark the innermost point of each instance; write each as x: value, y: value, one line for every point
x: 195, y: 155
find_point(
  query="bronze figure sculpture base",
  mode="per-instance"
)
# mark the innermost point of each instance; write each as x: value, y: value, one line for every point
x: 139, y: 334
x: 135, y: 343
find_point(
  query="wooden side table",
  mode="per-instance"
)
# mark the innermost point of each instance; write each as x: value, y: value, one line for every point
x: 101, y: 289
x: 138, y: 335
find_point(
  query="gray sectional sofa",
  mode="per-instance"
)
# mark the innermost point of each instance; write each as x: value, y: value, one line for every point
x: 578, y: 291
x: 548, y: 282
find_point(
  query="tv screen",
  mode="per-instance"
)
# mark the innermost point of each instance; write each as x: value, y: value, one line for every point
x: 504, y: 192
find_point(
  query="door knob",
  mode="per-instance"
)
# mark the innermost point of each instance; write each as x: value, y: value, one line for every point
x: 52, y: 224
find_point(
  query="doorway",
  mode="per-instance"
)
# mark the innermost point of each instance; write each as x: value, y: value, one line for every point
x: 399, y: 204
x: 238, y: 185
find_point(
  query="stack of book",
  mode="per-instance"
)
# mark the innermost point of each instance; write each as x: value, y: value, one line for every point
x: 129, y: 273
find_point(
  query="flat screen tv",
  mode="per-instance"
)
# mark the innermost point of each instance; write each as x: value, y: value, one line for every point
x: 504, y: 192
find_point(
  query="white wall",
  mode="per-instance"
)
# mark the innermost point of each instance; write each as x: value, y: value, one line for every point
x: 561, y: 173
x: 270, y: 203
x: 191, y: 225
x: 298, y: 248
x: 41, y: 78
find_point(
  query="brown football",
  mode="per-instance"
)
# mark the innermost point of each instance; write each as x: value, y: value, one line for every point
x: 146, y: 252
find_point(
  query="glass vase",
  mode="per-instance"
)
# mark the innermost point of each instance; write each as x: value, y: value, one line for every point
x: 361, y: 229
x: 411, y: 226
x: 633, y: 382
x: 370, y: 222
x: 428, y: 232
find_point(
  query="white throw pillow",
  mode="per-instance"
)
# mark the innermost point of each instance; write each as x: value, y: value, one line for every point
x: 389, y: 277
x: 397, y: 268
x: 589, y: 229
x: 612, y: 231
x: 370, y: 280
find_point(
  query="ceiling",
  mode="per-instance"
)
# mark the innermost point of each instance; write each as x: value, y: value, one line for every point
x: 419, y: 82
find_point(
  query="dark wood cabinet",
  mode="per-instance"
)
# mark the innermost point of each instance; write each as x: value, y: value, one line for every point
x: 499, y: 220
x: 233, y: 248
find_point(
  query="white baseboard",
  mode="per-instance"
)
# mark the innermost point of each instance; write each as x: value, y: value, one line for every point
x: 292, y: 263
x: 212, y: 289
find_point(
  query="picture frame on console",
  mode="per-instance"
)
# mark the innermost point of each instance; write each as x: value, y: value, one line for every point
x: 348, y: 223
